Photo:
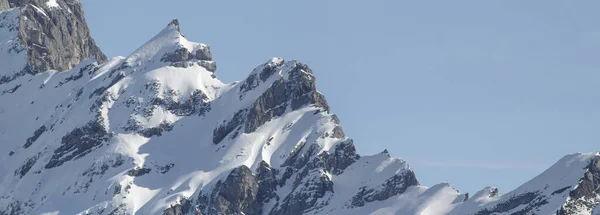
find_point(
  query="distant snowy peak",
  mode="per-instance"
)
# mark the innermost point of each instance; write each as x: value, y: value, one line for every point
x: 571, y: 186
x: 175, y: 25
x: 170, y: 47
x: 584, y: 197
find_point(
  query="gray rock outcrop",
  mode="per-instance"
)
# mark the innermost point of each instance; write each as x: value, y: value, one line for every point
x: 306, y: 195
x: 395, y: 185
x: 78, y: 143
x: 204, y: 53
x: 4, y: 5
x: 531, y: 201
x: 238, y: 194
x: 184, y: 58
x: 587, y: 191
x: 184, y: 207
x: 267, y: 182
x: 343, y: 156
x: 298, y: 91
x: 55, y: 36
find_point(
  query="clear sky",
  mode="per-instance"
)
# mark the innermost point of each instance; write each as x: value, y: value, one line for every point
x: 474, y: 93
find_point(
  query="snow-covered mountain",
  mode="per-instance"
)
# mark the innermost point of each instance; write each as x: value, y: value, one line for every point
x: 157, y: 133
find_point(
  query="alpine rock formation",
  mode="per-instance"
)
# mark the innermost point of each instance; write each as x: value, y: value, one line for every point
x: 157, y: 133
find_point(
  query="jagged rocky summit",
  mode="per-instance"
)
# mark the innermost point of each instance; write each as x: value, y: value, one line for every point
x: 51, y: 35
x: 157, y: 133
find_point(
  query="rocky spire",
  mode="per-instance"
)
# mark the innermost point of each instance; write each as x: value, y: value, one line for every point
x: 54, y: 33
x: 175, y: 23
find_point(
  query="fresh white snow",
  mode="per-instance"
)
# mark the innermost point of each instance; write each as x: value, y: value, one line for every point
x: 52, y: 4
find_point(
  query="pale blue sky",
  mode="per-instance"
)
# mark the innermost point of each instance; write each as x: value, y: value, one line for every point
x: 475, y: 93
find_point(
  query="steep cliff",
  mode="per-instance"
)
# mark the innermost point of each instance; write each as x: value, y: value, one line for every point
x: 54, y: 34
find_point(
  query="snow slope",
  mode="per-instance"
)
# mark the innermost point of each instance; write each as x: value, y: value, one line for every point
x: 13, y: 56
x: 156, y: 132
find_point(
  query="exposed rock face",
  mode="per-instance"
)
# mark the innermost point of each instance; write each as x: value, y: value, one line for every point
x: 136, y: 172
x: 338, y: 132
x: 393, y: 186
x: 297, y: 91
x: 310, y: 188
x: 343, y: 156
x: 531, y: 200
x: 208, y: 65
x: 55, y: 36
x: 222, y: 131
x: 184, y: 58
x: 184, y: 207
x: 313, y: 186
x: 587, y: 194
x: 35, y: 136
x: 27, y: 166
x: 204, y: 53
x: 78, y: 143
x: 267, y: 182
x: 4, y: 5
x: 306, y: 195
x: 494, y: 193
x: 270, y: 104
x: 303, y: 89
x: 181, y: 54
x: 238, y: 194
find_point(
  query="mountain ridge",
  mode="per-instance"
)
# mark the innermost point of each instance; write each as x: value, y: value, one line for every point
x: 156, y: 132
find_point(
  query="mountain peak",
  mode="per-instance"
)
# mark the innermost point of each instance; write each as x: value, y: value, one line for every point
x: 174, y: 24
x: 49, y: 43
x: 170, y: 47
